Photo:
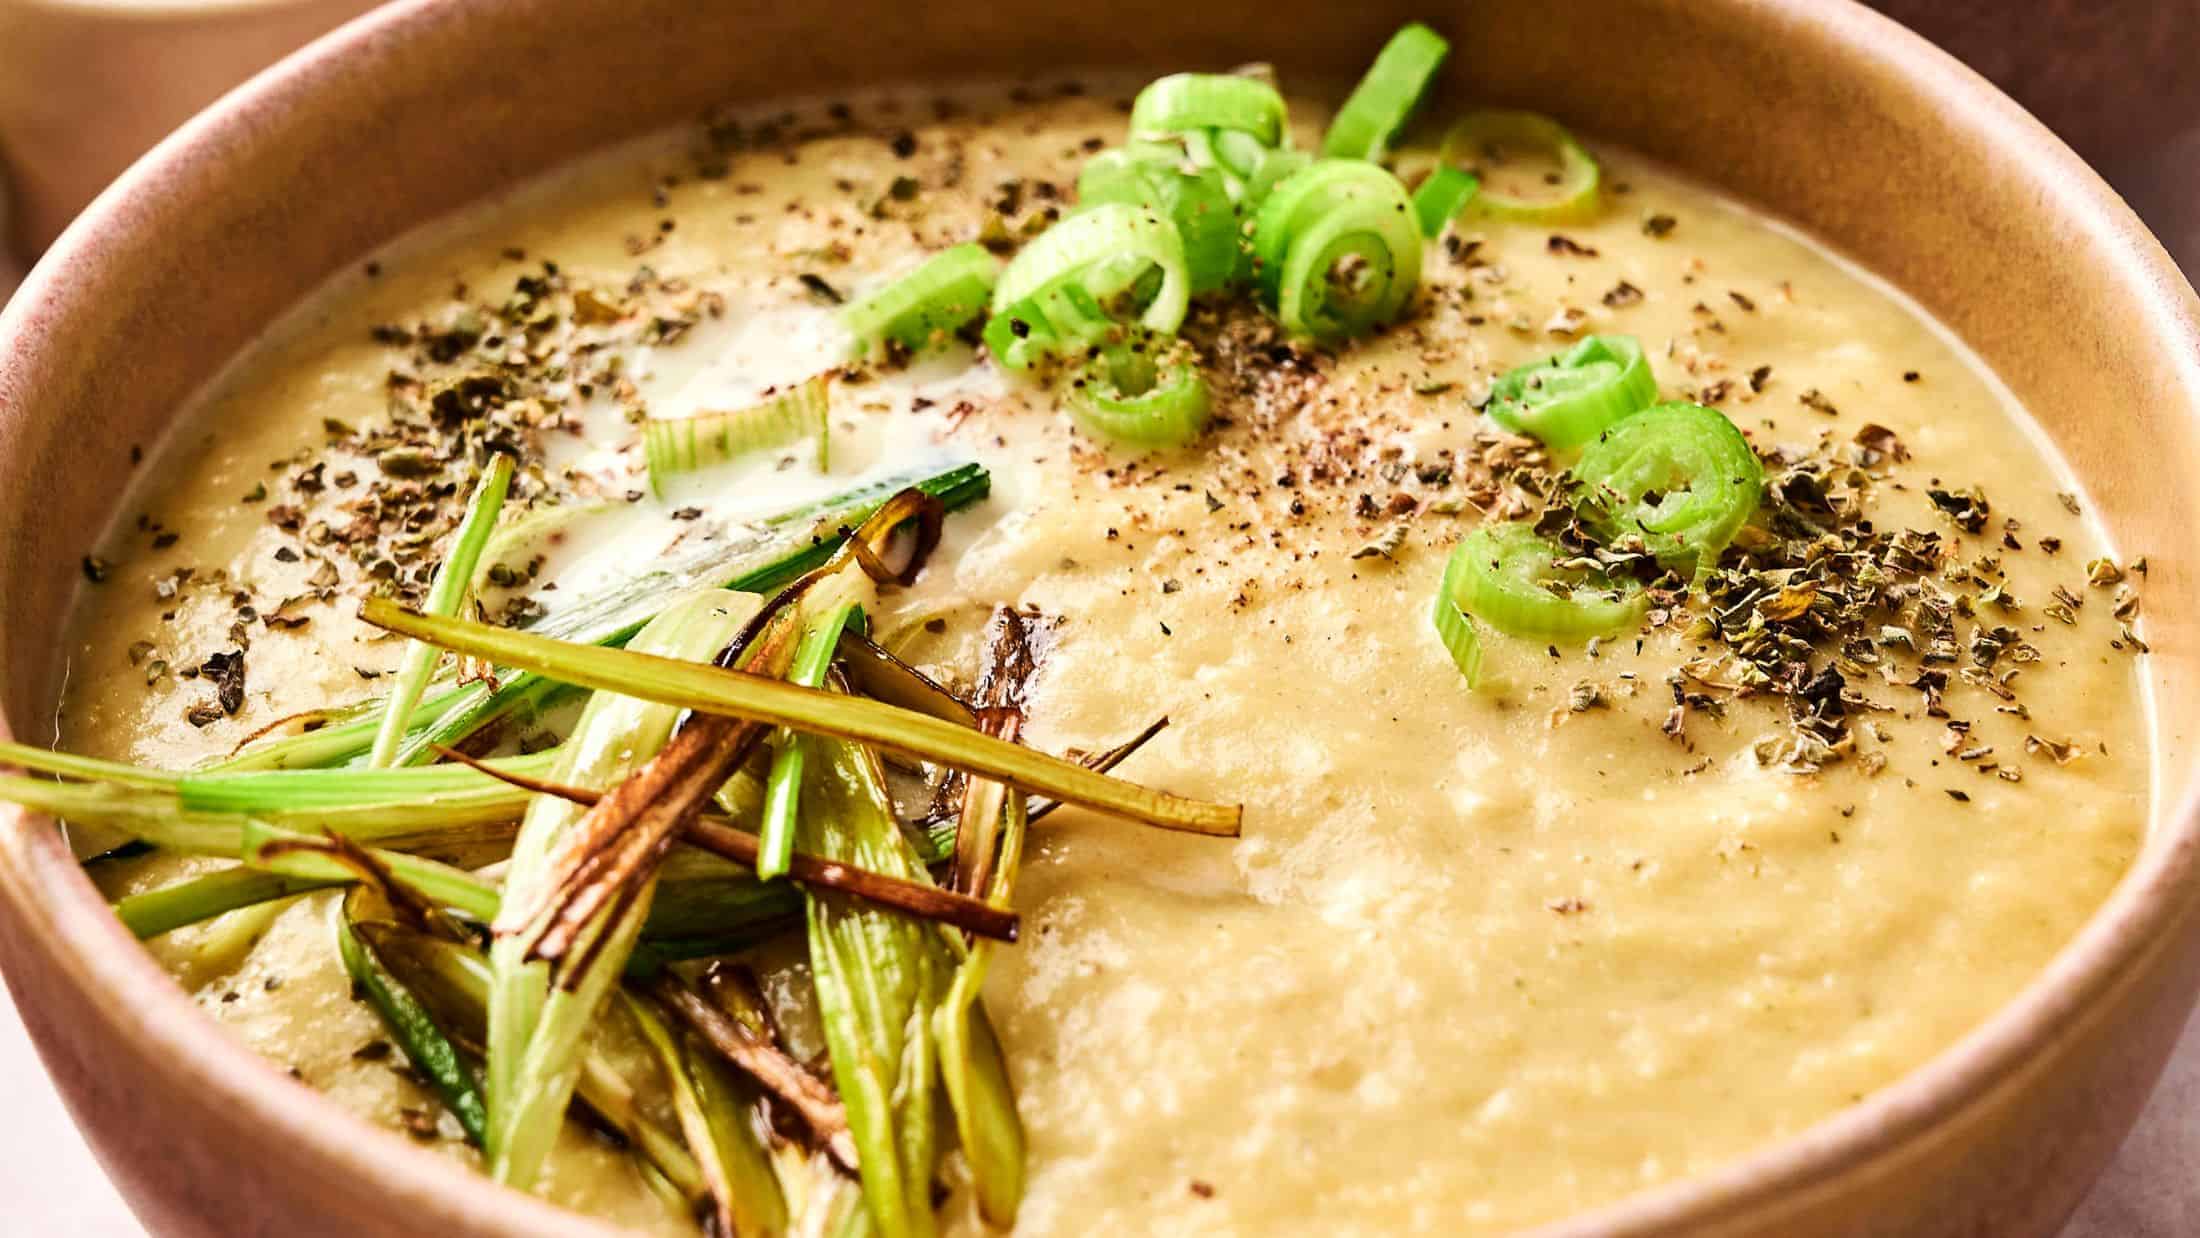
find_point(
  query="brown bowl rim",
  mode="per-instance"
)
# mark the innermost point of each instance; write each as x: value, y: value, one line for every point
x: 55, y: 903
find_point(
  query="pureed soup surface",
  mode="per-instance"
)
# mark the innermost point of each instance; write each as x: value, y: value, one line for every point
x: 1481, y: 958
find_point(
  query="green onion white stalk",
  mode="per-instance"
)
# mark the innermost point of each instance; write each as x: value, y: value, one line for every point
x: 879, y: 978
x: 535, y: 1031
x: 721, y: 1128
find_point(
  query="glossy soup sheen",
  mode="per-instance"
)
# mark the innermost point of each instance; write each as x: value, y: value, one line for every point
x: 1480, y: 959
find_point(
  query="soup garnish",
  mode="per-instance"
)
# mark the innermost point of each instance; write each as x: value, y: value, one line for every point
x: 720, y: 846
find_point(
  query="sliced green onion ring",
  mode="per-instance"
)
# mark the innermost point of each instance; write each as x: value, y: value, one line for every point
x: 1226, y: 121
x: 928, y: 304
x: 1163, y: 177
x: 1140, y: 394
x: 1276, y: 167
x: 1187, y: 102
x: 1061, y: 293
x: 1523, y: 584
x: 1114, y: 243
x: 1385, y: 100
x: 1569, y: 398
x: 1680, y: 475
x: 676, y: 445
x: 1454, y: 626
x: 1336, y: 249
x: 1055, y: 321
x: 1441, y: 197
x: 1490, y: 134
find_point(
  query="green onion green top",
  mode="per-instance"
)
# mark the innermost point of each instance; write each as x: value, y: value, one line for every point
x: 1489, y: 138
x: 926, y: 305
x: 1163, y: 177
x: 1141, y: 393
x: 1524, y: 584
x: 1385, y: 100
x: 1337, y: 249
x: 1679, y: 475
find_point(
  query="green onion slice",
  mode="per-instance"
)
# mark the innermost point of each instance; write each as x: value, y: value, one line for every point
x: 1336, y: 249
x: 676, y: 445
x: 1275, y: 167
x: 928, y: 304
x: 1385, y: 100
x: 1453, y: 626
x: 1081, y: 277
x: 1132, y: 393
x: 1493, y: 136
x: 1059, y: 319
x: 1228, y: 102
x: 1569, y: 398
x: 1441, y: 197
x: 1680, y: 475
x: 1226, y: 121
x: 1523, y: 584
x: 1163, y: 177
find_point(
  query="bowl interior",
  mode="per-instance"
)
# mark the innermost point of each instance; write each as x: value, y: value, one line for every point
x: 1825, y: 114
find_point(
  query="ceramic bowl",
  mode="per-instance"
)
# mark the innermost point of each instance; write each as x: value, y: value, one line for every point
x: 87, y: 85
x: 1826, y: 113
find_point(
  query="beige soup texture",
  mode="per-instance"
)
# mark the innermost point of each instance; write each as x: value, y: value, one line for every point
x: 1480, y: 958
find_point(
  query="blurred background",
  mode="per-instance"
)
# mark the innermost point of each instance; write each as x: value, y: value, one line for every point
x: 88, y: 85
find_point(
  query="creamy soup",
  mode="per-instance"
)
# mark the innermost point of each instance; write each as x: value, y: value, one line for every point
x: 1480, y: 958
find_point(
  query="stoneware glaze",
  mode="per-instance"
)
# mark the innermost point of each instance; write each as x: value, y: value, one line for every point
x: 1826, y: 113
x: 87, y: 85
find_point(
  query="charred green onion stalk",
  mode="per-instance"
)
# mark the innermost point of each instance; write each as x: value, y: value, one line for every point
x: 626, y: 861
